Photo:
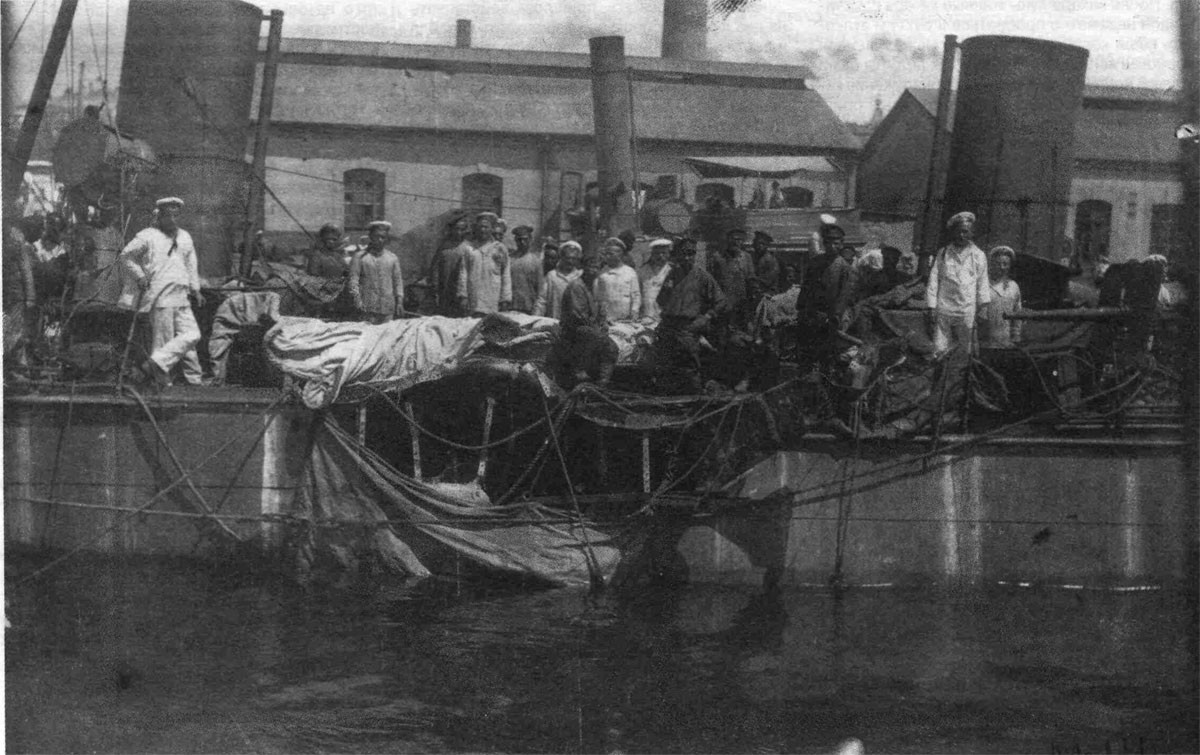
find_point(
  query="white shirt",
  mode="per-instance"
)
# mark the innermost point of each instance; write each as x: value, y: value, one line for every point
x: 549, y: 303
x: 652, y: 283
x: 620, y: 293
x: 958, y: 281
x: 45, y: 254
x: 169, y: 263
x: 485, y: 278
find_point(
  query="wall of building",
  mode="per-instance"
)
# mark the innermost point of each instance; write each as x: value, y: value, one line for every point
x: 1133, y: 198
x: 424, y: 174
x: 893, y: 176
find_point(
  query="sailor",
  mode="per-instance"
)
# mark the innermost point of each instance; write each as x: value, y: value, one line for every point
x: 1006, y: 300
x: 162, y: 260
x: 732, y: 269
x: 325, y: 259
x: 690, y: 300
x: 617, y: 288
x: 446, y: 265
x: 51, y: 263
x: 652, y: 276
x: 815, y: 329
x: 526, y: 270
x: 958, y: 286
x: 376, y: 283
x: 549, y: 255
x: 766, y: 266
x: 585, y: 350
x: 549, y: 303
x: 485, y: 278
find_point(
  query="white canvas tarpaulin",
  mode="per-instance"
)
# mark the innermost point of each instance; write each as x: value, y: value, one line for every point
x: 328, y: 357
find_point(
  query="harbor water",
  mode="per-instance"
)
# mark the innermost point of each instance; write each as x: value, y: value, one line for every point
x: 166, y: 656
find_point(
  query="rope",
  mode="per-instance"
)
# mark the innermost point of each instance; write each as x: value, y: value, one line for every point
x: 593, y: 565
x: 143, y: 509
x: 982, y: 437
x: 743, y: 513
x: 187, y: 477
x: 12, y: 42
x: 453, y: 444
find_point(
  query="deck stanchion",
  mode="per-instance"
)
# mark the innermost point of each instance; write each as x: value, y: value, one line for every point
x: 487, y: 434
x: 645, y: 462
x: 415, y: 436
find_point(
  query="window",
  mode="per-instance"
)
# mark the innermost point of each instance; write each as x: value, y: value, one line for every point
x: 483, y: 191
x: 797, y: 196
x: 1093, y: 221
x: 715, y: 191
x: 1166, y: 230
x: 365, y: 192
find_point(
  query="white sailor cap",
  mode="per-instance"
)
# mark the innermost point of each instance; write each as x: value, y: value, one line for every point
x: 660, y: 243
x: 168, y: 201
x: 960, y: 218
x: 379, y: 224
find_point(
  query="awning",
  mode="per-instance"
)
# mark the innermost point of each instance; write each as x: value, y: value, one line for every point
x: 758, y: 167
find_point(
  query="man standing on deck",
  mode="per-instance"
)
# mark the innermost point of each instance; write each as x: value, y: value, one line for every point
x: 376, y: 283
x: 733, y: 269
x: 549, y: 303
x: 585, y: 350
x: 446, y: 265
x: 526, y: 271
x: 485, y: 278
x: 162, y: 260
x: 618, y: 289
x: 652, y: 276
x: 958, y: 286
x: 766, y: 266
x: 689, y: 302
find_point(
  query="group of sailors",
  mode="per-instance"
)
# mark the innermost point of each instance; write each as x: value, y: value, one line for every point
x: 702, y: 314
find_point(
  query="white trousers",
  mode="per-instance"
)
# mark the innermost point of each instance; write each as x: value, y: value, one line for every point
x: 174, y: 338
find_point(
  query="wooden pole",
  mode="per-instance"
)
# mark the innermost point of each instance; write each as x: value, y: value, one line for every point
x: 927, y: 228
x: 254, y: 210
x: 16, y: 160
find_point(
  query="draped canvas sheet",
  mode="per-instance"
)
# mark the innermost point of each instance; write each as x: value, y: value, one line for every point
x: 411, y: 527
x: 327, y: 357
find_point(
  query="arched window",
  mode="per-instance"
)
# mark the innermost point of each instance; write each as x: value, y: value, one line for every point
x: 723, y: 192
x: 1167, y: 224
x: 797, y: 196
x: 483, y: 191
x: 1093, y: 223
x: 365, y: 192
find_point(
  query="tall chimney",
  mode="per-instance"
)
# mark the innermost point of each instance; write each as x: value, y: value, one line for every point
x: 463, y: 38
x: 685, y: 29
x: 611, y: 107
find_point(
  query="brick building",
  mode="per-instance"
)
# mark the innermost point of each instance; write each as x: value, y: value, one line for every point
x: 408, y: 132
x: 1126, y: 195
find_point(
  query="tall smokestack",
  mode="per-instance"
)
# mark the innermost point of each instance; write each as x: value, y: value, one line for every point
x: 463, y: 37
x: 611, y: 107
x: 685, y: 29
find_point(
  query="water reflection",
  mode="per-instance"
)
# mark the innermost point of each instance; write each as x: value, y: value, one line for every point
x: 160, y: 657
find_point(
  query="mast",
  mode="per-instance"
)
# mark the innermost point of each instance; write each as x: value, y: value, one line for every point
x: 16, y: 160
x: 254, y: 209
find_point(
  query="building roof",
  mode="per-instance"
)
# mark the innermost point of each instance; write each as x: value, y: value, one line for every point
x: 1117, y: 124
x: 759, y: 108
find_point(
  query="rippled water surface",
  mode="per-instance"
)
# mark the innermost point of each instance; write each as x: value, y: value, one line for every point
x: 160, y: 657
